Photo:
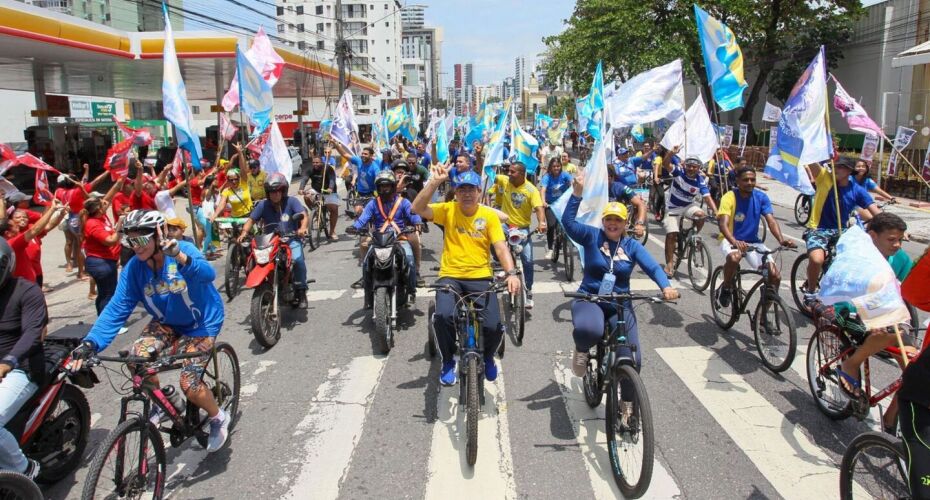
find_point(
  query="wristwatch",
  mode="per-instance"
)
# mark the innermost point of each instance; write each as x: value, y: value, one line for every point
x: 640, y: 223
x: 512, y: 272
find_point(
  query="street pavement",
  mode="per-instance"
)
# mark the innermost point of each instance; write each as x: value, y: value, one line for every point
x: 321, y: 417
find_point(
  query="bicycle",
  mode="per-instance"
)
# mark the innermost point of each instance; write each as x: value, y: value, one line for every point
x: 874, y: 465
x: 16, y: 486
x: 355, y: 199
x: 319, y: 219
x: 563, y: 246
x: 690, y: 246
x: 771, y: 317
x: 643, y: 193
x: 802, y: 209
x: 514, y: 306
x: 136, y: 445
x: 470, y: 354
x: 627, y: 426
x: 237, y: 256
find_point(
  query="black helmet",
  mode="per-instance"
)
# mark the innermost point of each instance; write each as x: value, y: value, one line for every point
x: 275, y: 182
x: 7, y: 261
x: 693, y: 160
x: 400, y: 164
x: 385, y: 177
x: 254, y: 164
x: 143, y: 221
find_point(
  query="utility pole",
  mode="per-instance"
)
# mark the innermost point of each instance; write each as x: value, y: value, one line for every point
x: 341, y: 49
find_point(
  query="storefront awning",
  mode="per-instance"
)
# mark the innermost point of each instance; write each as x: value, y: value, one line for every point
x: 912, y: 56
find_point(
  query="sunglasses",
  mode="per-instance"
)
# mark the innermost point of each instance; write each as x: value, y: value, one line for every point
x: 136, y: 241
x: 232, y: 179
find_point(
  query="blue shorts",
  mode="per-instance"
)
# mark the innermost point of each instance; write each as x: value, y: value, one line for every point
x: 824, y: 239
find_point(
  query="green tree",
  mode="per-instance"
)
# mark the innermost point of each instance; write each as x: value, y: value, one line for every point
x: 778, y: 38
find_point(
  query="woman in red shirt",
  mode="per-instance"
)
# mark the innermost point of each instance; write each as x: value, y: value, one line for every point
x: 22, y: 219
x: 101, y: 245
x: 73, y: 194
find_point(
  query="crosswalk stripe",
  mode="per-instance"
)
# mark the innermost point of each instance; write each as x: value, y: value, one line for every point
x: 335, y: 420
x: 780, y: 451
x: 449, y: 472
x: 588, y: 426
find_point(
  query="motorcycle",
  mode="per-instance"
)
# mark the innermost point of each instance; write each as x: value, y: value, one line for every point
x: 269, y: 276
x: 387, y: 286
x: 53, y: 426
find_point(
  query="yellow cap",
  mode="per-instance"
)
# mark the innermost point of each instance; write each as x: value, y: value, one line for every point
x: 177, y: 222
x: 616, y: 209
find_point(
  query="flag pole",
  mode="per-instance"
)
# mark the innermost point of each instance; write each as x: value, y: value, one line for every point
x: 836, y: 188
x: 717, y: 155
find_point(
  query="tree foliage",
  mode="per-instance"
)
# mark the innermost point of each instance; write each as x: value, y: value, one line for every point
x: 778, y: 39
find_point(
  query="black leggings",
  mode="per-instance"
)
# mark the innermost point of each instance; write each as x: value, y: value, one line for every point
x: 551, y: 226
x: 915, y: 429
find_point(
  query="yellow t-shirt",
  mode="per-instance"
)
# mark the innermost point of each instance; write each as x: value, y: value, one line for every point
x: 240, y: 200
x: 517, y: 202
x: 467, y: 240
x: 727, y: 207
x: 257, y: 185
x: 570, y: 168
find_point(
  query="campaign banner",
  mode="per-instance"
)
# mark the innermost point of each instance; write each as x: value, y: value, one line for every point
x: 743, y: 133
x: 869, y: 147
x: 773, y: 136
x: 726, y: 136
x: 901, y: 140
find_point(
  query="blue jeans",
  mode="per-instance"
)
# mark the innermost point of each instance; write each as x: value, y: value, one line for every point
x: 207, y: 229
x: 15, y: 390
x: 299, y: 269
x: 104, y: 273
x: 526, y: 258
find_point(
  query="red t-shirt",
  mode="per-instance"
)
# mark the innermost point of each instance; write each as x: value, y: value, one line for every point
x: 24, y: 268
x: 75, y: 197
x: 141, y: 201
x: 914, y: 289
x: 196, y: 188
x: 96, y: 230
x: 119, y: 201
x: 33, y: 216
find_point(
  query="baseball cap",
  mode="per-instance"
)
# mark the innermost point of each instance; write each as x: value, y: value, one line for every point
x: 468, y: 179
x: 177, y: 222
x: 17, y: 196
x: 622, y: 151
x: 616, y: 209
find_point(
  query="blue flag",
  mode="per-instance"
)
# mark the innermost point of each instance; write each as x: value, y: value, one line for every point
x: 442, y: 141
x: 524, y: 146
x: 723, y: 60
x: 255, y: 97
x: 174, y: 98
x: 594, y: 103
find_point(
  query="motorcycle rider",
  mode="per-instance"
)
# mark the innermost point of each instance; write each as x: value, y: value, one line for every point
x: 23, y: 320
x: 389, y: 209
x: 279, y: 211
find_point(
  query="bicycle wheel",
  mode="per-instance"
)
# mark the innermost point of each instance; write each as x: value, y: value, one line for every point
x: 129, y: 463
x: 776, y: 338
x: 825, y: 351
x: 233, y: 270
x: 763, y: 230
x: 556, y: 247
x: 725, y: 317
x: 699, y: 266
x: 802, y: 209
x: 319, y: 231
x: 568, y: 258
x: 591, y: 383
x: 874, y: 466
x: 430, y: 335
x: 471, y: 409
x: 312, y: 228
x: 16, y: 486
x: 630, y: 438
x: 519, y: 313
x: 799, y: 284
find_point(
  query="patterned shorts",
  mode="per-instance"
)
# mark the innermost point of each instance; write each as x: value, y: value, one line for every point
x: 162, y: 337
x: 821, y: 238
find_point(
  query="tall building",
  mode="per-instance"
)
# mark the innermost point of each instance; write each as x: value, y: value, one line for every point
x: 465, y: 98
x: 521, y: 76
x: 421, y: 51
x: 128, y: 15
x: 413, y: 16
x: 372, y: 31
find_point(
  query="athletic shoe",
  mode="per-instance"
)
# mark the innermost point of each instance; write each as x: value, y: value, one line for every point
x: 420, y: 281
x: 529, y: 300
x: 490, y: 368
x: 32, y: 469
x: 302, y: 299
x: 219, y: 431
x: 580, y: 363
x: 358, y: 284
x: 724, y: 296
x: 548, y: 255
x: 448, y: 375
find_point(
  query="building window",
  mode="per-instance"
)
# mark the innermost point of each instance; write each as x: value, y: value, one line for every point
x: 389, y: 76
x: 363, y: 100
x: 300, y: 9
x: 321, y: 45
x: 389, y: 93
x: 290, y: 27
x: 281, y: 28
x: 301, y: 45
x: 280, y: 11
x: 319, y: 9
x: 319, y: 27
x: 300, y: 28
x: 386, y: 25
x: 389, y: 59
x: 373, y: 59
x: 195, y: 110
x: 385, y: 6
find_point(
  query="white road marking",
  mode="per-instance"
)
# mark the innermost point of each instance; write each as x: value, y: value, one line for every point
x: 317, y: 295
x: 94, y: 418
x: 333, y: 427
x: 588, y: 425
x: 795, y: 466
x: 449, y: 472
x: 263, y: 365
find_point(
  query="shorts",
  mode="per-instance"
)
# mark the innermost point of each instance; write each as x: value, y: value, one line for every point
x: 821, y: 238
x: 167, y: 341
x: 670, y: 222
x: 74, y: 224
x: 331, y: 199
x: 752, y: 258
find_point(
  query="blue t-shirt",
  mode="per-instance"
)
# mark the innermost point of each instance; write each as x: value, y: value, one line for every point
x: 555, y: 186
x: 684, y: 189
x: 620, y: 192
x: 283, y: 220
x: 366, y: 174
x: 182, y: 297
x: 425, y: 159
x: 626, y: 172
x: 403, y: 216
x: 851, y: 196
x: 867, y: 183
x: 747, y: 214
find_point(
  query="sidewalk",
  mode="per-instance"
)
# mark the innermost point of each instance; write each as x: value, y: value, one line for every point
x: 917, y: 219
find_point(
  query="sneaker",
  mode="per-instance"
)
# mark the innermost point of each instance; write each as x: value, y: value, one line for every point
x: 490, y: 369
x: 122, y: 330
x: 529, y: 300
x: 420, y: 281
x: 580, y: 363
x: 448, y: 375
x: 724, y: 296
x: 358, y: 284
x: 32, y: 469
x: 548, y: 255
x: 809, y: 300
x: 219, y: 431
x: 302, y: 299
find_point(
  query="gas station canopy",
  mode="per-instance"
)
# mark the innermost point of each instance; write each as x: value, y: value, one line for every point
x: 74, y: 56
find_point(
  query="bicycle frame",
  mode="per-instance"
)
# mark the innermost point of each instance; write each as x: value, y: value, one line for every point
x: 686, y: 238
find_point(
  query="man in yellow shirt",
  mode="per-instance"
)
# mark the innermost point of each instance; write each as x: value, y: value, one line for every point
x: 256, y: 181
x: 519, y: 199
x: 471, y: 230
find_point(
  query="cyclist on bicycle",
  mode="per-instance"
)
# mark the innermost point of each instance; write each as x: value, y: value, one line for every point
x: 321, y: 180
x: 738, y: 217
x: 364, y: 170
x: 620, y: 192
x: 687, y: 188
x: 553, y: 184
x: 236, y: 194
x: 625, y: 168
x: 609, y: 258
x: 471, y: 230
x: 174, y: 283
x: 389, y: 209
x: 519, y: 199
x: 823, y: 227
x: 285, y: 214
x: 411, y: 176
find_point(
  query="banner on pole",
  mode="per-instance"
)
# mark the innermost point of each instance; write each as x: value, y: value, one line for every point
x: 773, y: 136
x: 772, y: 113
x: 726, y: 136
x: 901, y: 140
x: 869, y: 147
x: 743, y: 133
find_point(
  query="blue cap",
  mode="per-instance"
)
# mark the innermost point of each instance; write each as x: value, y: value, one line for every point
x: 622, y: 151
x: 468, y: 179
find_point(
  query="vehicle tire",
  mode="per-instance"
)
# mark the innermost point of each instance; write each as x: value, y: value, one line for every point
x: 16, y: 486
x: 883, y: 476
x: 430, y: 330
x: 623, y: 440
x: 725, y: 317
x: 802, y: 209
x: 591, y: 383
x: 382, y: 313
x: 266, y: 325
x: 799, y: 280
x: 136, y: 433
x: 63, y: 436
x: 776, y: 337
x: 568, y: 258
x: 234, y: 264
x: 472, y: 410
x: 828, y: 344
x: 700, y: 266
x: 519, y: 313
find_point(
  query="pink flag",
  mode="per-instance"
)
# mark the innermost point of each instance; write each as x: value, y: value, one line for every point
x: 177, y: 165
x: 139, y: 137
x: 117, y: 160
x: 264, y: 58
x: 7, y: 157
x: 31, y: 161
x: 854, y: 113
x: 227, y: 129
x: 42, y: 195
x: 258, y: 144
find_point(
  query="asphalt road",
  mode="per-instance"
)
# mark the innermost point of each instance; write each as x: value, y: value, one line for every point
x: 322, y: 417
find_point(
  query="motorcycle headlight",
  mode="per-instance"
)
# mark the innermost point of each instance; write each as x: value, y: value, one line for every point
x: 383, y: 254
x: 262, y: 255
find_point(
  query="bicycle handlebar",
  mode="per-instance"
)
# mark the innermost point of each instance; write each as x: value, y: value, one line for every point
x: 765, y: 253
x: 614, y: 297
x: 96, y: 359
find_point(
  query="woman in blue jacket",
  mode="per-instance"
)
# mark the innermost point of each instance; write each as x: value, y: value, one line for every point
x: 607, y: 251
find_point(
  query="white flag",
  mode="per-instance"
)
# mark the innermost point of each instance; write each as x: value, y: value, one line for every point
x: 275, y: 159
x: 772, y: 113
x: 649, y: 96
x: 702, y: 137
